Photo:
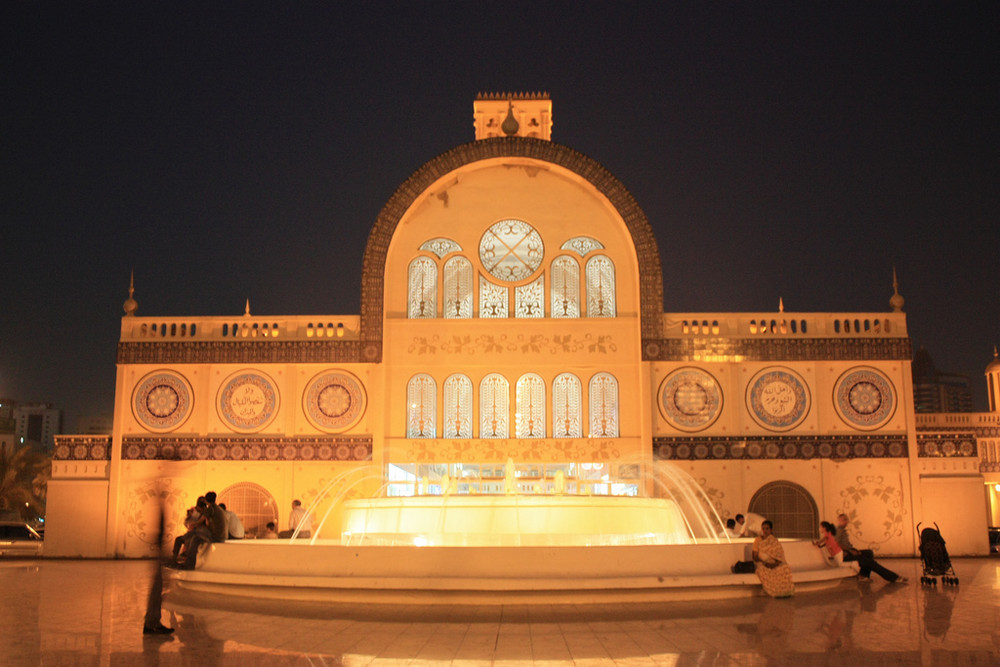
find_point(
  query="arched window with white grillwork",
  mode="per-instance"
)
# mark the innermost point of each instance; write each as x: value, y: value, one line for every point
x: 253, y: 504
x: 567, y: 407
x: 458, y: 406
x: 600, y: 287
x: 422, y: 290
x: 457, y: 288
x: 421, y: 407
x: 603, y: 392
x: 494, y: 406
x: 565, y: 290
x: 530, y: 417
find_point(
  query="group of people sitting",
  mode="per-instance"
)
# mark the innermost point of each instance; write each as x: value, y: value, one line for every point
x: 769, y: 557
x: 205, y: 522
x: 210, y: 522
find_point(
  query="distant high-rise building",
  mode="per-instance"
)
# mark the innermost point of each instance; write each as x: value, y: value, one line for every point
x: 37, y: 424
x: 935, y: 391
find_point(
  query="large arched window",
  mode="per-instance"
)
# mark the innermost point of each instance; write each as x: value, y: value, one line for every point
x: 492, y: 299
x: 600, y: 287
x: 421, y: 407
x: 422, y: 290
x: 494, y: 406
x: 565, y: 290
x: 530, y: 417
x: 458, y: 407
x: 253, y: 504
x: 790, y: 508
x: 457, y: 288
x: 567, y: 407
x: 603, y: 393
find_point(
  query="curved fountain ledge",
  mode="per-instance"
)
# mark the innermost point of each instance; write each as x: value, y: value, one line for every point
x: 488, y: 575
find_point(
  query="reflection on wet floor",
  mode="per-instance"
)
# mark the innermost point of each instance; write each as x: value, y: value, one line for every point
x: 90, y: 612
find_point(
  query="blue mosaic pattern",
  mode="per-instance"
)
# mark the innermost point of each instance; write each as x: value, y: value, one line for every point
x: 778, y: 399
x: 690, y: 399
x: 864, y: 398
x: 162, y: 401
x: 334, y: 401
x: 248, y: 402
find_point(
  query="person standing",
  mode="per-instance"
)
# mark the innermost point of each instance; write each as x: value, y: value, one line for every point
x: 299, y: 519
x: 864, y: 557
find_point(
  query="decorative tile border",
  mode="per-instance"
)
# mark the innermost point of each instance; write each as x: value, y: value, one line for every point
x: 946, y: 445
x: 234, y: 448
x: 82, y: 448
x: 779, y: 447
x: 247, y: 352
x: 778, y: 349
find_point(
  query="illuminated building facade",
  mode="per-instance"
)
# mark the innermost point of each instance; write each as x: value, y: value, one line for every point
x: 512, y: 307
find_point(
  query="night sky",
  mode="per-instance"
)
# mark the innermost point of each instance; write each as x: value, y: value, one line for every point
x: 794, y: 150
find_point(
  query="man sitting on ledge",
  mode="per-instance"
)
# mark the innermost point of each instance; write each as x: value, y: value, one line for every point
x: 864, y: 557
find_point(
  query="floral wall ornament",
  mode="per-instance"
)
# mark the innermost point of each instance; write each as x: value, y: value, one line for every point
x: 874, y: 496
x: 143, y: 505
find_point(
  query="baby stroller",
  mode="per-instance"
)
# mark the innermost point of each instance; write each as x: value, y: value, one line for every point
x: 934, y: 557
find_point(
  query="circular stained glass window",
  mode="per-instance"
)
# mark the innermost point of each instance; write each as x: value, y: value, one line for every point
x: 511, y: 250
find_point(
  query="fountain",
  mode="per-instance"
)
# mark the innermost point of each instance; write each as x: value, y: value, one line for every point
x: 546, y: 545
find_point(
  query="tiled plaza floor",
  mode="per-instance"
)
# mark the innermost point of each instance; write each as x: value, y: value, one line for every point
x: 90, y: 613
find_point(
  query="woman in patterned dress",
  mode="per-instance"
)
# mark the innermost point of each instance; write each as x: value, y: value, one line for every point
x: 772, y: 569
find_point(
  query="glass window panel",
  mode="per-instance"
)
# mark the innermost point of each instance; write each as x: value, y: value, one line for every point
x: 603, y: 406
x: 422, y: 294
x: 567, y: 420
x: 529, y: 300
x: 494, y: 406
x: 565, y: 287
x: 458, y: 407
x: 600, y: 287
x: 493, y: 299
x: 421, y: 407
x: 530, y: 417
x: 458, y: 288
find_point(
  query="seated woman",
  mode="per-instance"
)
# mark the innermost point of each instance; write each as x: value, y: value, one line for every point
x: 773, y: 571
x: 828, y: 545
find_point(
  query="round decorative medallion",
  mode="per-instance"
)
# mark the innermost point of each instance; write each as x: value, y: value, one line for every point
x: 511, y: 250
x: 690, y: 399
x: 162, y: 401
x: 778, y: 399
x: 864, y: 398
x: 334, y: 401
x: 248, y: 401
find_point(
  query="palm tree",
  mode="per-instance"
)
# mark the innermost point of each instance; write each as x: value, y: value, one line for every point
x: 24, y: 477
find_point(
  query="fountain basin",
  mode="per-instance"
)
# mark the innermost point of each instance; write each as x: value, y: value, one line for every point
x: 514, y: 520
x: 492, y: 574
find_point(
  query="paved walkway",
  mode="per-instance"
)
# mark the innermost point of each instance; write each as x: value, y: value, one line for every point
x: 90, y: 613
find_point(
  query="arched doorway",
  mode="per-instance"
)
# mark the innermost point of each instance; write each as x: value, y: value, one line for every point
x: 790, y: 507
x: 253, y: 504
